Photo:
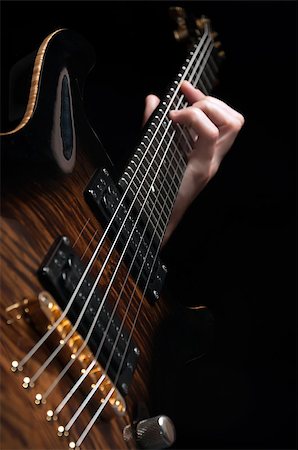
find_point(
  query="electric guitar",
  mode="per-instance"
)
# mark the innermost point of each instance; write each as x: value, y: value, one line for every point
x: 81, y: 276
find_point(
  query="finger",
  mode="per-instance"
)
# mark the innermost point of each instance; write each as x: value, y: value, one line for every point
x: 220, y: 114
x: 226, y: 107
x: 219, y: 118
x: 195, y: 118
x: 192, y: 94
x: 151, y: 103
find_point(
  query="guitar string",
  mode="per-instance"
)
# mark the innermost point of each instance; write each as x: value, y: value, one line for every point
x: 33, y: 379
x: 87, y: 399
x: 65, y: 369
x: 107, y: 292
x: 182, y: 130
x: 44, y: 396
x: 81, y: 232
x: 82, y: 312
x: 148, y: 204
x: 108, y: 396
x: 89, y: 334
x: 42, y: 368
x: 90, y: 242
x: 63, y: 315
x: 87, y: 429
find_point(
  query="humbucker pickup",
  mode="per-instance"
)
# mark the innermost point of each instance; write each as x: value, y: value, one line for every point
x: 135, y: 234
x: 61, y: 274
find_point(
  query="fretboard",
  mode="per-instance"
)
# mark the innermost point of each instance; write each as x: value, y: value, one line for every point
x: 153, y: 175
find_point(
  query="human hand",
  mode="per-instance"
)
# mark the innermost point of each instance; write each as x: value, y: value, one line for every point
x: 214, y: 126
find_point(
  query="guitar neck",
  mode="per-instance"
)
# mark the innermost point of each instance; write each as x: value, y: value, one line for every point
x: 152, y: 178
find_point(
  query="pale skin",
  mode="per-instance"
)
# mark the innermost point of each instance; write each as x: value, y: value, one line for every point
x: 215, y: 126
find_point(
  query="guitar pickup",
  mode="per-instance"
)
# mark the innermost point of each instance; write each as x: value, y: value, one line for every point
x: 135, y: 233
x: 61, y: 274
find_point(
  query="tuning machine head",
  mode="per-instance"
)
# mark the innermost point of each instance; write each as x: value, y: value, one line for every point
x: 178, y: 15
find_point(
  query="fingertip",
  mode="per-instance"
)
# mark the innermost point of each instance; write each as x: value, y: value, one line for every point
x: 192, y: 93
x: 173, y: 114
x: 152, y: 101
x: 186, y: 83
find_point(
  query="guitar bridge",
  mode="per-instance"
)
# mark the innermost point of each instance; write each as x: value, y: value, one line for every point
x: 29, y: 309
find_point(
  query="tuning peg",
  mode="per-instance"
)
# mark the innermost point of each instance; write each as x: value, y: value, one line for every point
x: 202, y: 22
x: 181, y: 35
x: 179, y: 16
x: 214, y: 34
x: 217, y: 44
x: 177, y: 11
x: 222, y: 54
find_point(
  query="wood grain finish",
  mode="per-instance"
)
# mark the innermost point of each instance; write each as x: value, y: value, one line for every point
x: 38, y: 205
x: 31, y: 220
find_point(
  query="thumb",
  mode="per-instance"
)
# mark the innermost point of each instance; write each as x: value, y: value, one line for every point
x: 151, y: 102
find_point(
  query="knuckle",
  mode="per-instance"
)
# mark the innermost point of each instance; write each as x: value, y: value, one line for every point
x: 235, y: 123
x: 213, y: 134
x: 201, y: 103
x: 238, y: 121
x: 209, y: 98
x: 194, y: 115
x: 241, y: 119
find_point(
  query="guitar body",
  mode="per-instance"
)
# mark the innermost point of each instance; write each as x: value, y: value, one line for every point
x: 32, y: 216
x: 40, y: 203
x: 48, y: 160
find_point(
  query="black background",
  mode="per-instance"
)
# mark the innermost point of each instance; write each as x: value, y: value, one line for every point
x: 235, y: 248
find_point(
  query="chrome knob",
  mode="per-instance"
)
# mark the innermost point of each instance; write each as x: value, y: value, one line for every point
x: 155, y: 433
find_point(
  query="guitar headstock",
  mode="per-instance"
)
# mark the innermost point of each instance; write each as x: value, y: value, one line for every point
x: 188, y: 29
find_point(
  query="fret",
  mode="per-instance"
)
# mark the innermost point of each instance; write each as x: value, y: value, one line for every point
x: 213, y: 63
x: 143, y: 156
x: 184, y: 140
x: 165, y: 136
x: 158, y: 205
x: 200, y: 64
x: 206, y: 81
x: 159, y: 185
x: 162, y: 181
x: 146, y: 216
x: 167, y: 173
x: 202, y: 86
x: 152, y: 156
x: 211, y: 74
x: 211, y: 60
x: 172, y: 129
x: 165, y: 184
x: 175, y: 103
